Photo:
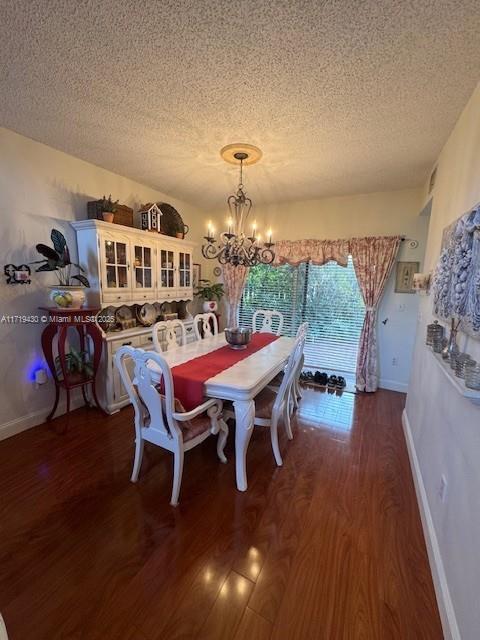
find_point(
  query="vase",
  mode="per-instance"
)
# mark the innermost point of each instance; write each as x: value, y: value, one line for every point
x: 451, y: 350
x: 108, y: 216
x: 68, y: 297
x: 210, y: 306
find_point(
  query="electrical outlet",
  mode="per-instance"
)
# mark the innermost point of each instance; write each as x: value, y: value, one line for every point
x: 442, y: 490
x: 394, y: 361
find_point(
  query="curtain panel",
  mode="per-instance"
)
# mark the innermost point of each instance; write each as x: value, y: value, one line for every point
x: 373, y: 259
x: 234, y: 279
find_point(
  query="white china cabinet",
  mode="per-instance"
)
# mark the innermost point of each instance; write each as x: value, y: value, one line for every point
x: 127, y: 266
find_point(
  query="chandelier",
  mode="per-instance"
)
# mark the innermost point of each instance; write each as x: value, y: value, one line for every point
x: 235, y: 246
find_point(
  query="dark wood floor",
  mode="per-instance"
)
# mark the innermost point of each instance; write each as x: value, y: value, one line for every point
x: 329, y: 546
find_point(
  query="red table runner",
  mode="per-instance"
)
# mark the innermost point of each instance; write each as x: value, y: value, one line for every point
x: 189, y: 378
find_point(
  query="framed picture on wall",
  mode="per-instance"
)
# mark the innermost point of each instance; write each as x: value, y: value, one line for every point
x: 196, y: 274
x: 404, y: 276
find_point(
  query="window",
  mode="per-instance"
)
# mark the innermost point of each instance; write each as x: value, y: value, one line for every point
x: 327, y: 297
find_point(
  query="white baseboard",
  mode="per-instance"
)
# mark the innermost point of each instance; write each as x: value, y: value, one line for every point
x: 11, y: 428
x: 393, y: 385
x: 444, y: 601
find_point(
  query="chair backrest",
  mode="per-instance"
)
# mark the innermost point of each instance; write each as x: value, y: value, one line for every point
x: 206, y: 324
x: 269, y: 318
x: 290, y: 371
x: 150, y: 409
x: 169, y: 327
x: 302, y: 329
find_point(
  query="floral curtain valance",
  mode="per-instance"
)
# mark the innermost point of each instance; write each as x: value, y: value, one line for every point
x: 294, y: 252
x: 318, y: 252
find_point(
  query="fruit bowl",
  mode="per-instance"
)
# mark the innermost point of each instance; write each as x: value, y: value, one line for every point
x: 67, y: 297
x: 238, y: 337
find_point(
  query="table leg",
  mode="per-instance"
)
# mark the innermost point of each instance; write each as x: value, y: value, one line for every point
x: 244, y: 417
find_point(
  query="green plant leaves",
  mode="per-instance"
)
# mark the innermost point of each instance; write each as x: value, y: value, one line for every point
x: 82, y: 279
x: 59, y: 242
x: 48, y: 252
x: 47, y: 266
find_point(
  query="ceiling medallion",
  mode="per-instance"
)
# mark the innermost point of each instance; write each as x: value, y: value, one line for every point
x: 234, y: 246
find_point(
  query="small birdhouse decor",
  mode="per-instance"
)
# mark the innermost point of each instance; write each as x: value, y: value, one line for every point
x: 150, y: 216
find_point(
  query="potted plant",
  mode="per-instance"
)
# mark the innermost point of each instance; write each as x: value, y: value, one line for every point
x: 65, y: 294
x: 109, y: 208
x: 211, y: 294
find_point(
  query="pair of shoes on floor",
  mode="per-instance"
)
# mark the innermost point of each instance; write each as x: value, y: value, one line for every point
x: 337, y: 382
x: 321, y: 378
x: 306, y: 376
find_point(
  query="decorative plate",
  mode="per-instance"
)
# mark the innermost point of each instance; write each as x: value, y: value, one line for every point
x: 217, y: 272
x: 146, y: 314
x: 158, y: 308
x: 106, y: 318
x: 171, y: 221
x: 123, y: 313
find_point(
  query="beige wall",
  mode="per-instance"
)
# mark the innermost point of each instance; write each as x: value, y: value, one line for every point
x: 387, y: 213
x: 41, y: 188
x: 445, y: 427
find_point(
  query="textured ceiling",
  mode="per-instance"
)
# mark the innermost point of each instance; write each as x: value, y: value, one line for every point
x: 342, y: 96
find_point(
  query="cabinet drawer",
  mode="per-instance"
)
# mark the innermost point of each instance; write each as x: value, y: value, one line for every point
x: 146, y: 342
x: 120, y: 298
x: 148, y: 295
x: 166, y: 294
x: 132, y: 341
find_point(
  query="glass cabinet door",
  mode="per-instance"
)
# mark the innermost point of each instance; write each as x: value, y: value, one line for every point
x: 143, y: 267
x: 184, y: 270
x: 167, y: 269
x: 116, y: 264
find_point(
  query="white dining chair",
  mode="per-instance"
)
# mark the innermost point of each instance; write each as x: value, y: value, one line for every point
x: 169, y: 329
x: 296, y: 394
x: 268, y: 318
x: 161, y: 419
x: 272, y: 404
x: 205, y: 325
x: 296, y: 389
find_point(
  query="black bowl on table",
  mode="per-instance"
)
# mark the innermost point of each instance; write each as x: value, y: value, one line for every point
x: 238, y: 337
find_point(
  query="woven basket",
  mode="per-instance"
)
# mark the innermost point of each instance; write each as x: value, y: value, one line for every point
x: 171, y: 223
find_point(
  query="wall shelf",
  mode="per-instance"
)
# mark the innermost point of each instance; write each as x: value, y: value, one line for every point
x: 459, y: 384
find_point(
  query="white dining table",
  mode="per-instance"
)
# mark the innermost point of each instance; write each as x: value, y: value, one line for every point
x: 240, y: 383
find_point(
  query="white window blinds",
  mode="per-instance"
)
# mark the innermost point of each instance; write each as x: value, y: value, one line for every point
x: 327, y: 297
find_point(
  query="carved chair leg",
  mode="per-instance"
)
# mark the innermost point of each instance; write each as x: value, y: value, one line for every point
x: 222, y: 440
x: 137, y: 462
x: 177, y: 476
x: 274, y: 439
x: 286, y: 419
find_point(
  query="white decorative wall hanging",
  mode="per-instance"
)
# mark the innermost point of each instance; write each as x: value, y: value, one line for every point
x: 457, y: 277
